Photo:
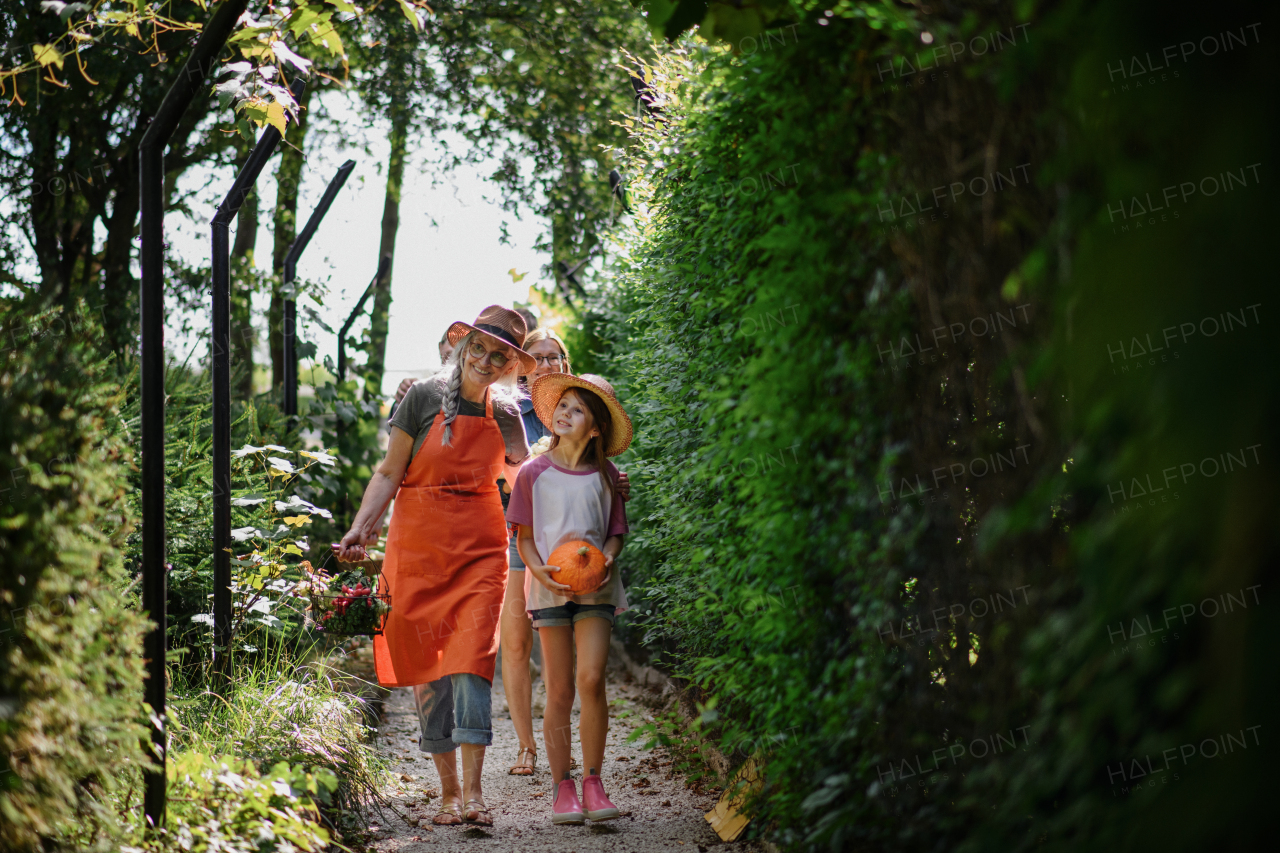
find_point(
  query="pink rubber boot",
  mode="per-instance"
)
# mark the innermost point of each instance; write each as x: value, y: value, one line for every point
x: 598, y: 805
x: 566, y: 808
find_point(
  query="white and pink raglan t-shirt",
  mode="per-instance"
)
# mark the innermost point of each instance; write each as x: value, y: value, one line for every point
x: 561, y: 505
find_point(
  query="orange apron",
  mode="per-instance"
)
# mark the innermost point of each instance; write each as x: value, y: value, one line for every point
x: 446, y: 558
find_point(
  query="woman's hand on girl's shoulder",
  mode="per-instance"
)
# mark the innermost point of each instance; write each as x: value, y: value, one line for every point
x: 545, y: 576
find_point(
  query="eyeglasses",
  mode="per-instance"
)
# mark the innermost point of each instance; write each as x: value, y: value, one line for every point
x: 478, y: 351
x: 549, y: 360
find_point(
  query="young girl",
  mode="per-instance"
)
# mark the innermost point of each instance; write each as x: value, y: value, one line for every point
x: 570, y: 493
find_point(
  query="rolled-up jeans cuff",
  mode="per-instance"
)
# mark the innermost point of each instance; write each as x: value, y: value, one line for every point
x: 463, y: 697
x: 438, y: 746
x: 479, y: 737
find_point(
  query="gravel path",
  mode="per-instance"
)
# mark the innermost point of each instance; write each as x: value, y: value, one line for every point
x: 659, y: 811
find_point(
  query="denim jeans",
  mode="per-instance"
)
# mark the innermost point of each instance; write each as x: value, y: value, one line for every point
x: 515, y: 563
x: 569, y: 613
x: 453, y: 710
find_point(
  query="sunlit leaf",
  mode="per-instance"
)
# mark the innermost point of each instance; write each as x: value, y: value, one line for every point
x: 276, y: 118
x: 47, y: 54
x: 407, y: 9
x: 284, y: 54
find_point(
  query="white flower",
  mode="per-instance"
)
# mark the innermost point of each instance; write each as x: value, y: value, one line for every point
x: 206, y: 618
x: 234, y: 781
x: 262, y: 605
x: 252, y: 500
x: 246, y: 450
x: 319, y: 455
x: 281, y: 464
x: 242, y: 533
x: 277, y: 448
x: 297, y: 503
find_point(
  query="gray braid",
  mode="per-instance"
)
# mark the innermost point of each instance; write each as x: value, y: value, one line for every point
x: 453, y: 389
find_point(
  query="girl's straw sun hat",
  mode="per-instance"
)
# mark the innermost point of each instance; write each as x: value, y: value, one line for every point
x: 546, y: 391
x: 503, y: 325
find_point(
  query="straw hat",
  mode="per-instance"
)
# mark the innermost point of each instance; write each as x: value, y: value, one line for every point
x: 546, y: 391
x: 503, y: 325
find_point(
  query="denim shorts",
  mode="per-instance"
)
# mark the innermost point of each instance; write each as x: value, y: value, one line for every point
x: 515, y: 564
x: 453, y: 710
x: 570, y: 612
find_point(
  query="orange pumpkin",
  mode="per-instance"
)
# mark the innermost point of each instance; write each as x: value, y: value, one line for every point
x: 581, y: 566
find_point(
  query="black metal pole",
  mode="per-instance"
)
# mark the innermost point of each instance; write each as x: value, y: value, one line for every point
x: 151, y: 303
x: 383, y: 266
x: 290, y: 272
x: 221, y: 343
x: 339, y: 428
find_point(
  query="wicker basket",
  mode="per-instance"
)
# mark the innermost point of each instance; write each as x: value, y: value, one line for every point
x: 358, y: 610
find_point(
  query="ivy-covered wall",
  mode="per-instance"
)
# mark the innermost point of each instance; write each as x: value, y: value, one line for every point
x: 945, y: 337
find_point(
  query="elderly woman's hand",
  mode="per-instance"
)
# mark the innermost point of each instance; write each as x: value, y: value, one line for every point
x: 352, y: 547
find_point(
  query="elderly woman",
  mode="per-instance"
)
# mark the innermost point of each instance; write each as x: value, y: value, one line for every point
x: 446, y: 556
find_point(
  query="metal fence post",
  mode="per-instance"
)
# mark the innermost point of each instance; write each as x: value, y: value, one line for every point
x: 151, y: 303
x: 221, y: 343
x: 290, y: 272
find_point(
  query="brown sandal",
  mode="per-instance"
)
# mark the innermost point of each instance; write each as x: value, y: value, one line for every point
x: 521, y: 767
x: 481, y: 813
x: 450, y: 814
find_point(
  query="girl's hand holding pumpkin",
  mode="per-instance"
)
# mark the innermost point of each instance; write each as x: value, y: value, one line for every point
x: 608, y: 572
x: 544, y: 576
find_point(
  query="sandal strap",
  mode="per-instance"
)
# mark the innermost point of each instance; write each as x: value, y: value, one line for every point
x: 531, y: 765
x: 451, y: 809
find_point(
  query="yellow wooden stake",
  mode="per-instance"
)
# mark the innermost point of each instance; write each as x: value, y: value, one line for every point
x: 727, y: 818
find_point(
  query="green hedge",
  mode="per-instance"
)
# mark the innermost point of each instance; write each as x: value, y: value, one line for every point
x: 70, y: 653
x: 886, y: 538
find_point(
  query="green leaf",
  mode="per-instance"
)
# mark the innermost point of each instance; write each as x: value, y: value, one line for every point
x: 305, y: 17
x: 247, y: 33
x: 407, y: 9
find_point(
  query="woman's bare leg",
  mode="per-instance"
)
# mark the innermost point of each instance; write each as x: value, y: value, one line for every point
x: 591, y: 636
x: 517, y: 643
x: 557, y: 674
x: 472, y: 771
x: 450, y: 790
